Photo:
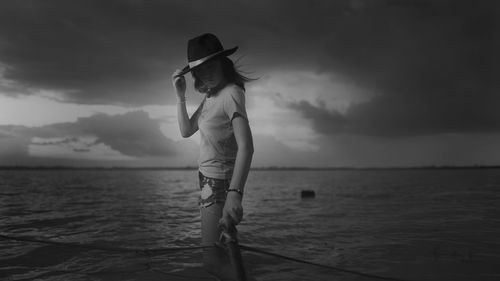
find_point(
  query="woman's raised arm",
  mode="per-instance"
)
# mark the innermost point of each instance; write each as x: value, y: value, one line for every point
x: 188, y: 126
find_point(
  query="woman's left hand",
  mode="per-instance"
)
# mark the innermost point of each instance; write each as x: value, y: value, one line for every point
x: 233, y: 211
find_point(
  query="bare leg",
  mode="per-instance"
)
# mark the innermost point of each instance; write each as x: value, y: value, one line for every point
x: 215, y: 259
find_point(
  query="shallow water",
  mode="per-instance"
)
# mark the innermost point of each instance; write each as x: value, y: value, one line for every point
x: 409, y: 224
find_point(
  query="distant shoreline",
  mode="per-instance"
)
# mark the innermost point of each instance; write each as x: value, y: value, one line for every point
x: 254, y: 168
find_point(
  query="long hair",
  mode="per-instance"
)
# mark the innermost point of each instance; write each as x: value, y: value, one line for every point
x: 230, y: 72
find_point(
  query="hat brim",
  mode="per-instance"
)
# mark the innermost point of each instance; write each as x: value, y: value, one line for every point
x: 195, y: 64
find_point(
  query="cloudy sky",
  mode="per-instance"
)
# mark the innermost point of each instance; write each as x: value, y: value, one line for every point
x: 340, y: 83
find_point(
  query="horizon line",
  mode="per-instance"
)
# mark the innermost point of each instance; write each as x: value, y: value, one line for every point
x: 264, y: 168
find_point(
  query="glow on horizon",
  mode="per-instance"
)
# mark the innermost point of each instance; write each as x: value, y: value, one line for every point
x: 59, y: 151
x: 267, y: 117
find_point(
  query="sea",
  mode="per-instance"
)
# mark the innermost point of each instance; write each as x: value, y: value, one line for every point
x: 399, y: 224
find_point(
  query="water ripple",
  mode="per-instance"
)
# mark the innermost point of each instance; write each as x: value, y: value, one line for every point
x: 431, y: 225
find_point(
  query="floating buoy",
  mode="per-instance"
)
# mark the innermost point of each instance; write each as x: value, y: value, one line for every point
x: 307, y: 194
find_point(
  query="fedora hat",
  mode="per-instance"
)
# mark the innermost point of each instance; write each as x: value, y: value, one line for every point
x: 202, y: 49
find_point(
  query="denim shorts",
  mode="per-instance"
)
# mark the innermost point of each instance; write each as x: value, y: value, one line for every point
x: 212, y: 191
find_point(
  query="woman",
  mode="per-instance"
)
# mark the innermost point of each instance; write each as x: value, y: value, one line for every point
x: 226, y: 145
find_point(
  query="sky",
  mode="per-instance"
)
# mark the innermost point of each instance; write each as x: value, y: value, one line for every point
x: 353, y: 83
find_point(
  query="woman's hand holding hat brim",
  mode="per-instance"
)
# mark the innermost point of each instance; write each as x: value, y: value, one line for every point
x: 180, y: 73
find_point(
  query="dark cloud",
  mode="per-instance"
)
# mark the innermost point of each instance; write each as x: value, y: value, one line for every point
x: 96, y: 52
x: 123, y: 52
x: 57, y: 141
x: 133, y: 134
x: 399, y: 115
x: 81, y: 149
x: 431, y: 64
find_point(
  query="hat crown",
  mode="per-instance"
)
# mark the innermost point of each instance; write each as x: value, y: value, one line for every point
x: 203, y: 46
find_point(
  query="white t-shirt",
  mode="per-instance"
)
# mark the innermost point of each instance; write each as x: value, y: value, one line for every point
x: 218, y: 145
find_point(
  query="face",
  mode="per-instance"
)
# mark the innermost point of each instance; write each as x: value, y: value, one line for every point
x: 210, y: 73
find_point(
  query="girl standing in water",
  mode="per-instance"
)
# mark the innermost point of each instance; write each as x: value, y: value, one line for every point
x: 226, y: 145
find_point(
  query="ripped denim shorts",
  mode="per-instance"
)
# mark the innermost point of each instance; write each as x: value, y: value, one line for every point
x: 212, y: 191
